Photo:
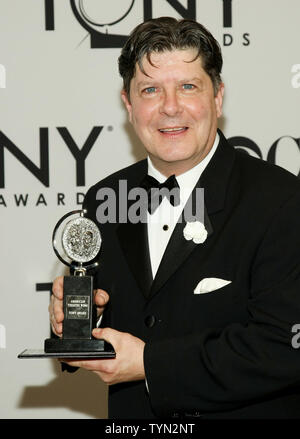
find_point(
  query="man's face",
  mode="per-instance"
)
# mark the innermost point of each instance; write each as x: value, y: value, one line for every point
x: 174, y: 110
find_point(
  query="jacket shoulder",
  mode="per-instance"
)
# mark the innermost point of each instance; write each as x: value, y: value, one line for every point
x: 265, y: 176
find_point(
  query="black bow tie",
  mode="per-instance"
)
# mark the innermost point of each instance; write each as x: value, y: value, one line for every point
x: 157, y: 191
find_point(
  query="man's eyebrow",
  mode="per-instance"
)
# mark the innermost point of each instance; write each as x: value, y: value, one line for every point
x: 145, y: 83
x: 188, y: 80
x: 152, y: 81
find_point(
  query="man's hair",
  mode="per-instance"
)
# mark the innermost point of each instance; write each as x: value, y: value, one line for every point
x: 167, y: 34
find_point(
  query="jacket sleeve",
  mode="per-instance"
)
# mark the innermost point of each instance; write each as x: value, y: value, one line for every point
x: 227, y: 368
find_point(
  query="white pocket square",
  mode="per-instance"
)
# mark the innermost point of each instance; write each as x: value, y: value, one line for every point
x: 210, y: 284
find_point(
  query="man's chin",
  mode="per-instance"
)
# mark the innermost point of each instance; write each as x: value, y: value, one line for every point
x: 169, y: 161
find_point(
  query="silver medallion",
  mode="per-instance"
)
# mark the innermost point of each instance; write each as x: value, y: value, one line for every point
x: 81, y: 240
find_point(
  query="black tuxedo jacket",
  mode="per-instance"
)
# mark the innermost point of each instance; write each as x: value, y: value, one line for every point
x: 227, y: 353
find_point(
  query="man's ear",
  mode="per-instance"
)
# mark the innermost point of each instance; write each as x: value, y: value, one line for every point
x: 127, y: 103
x: 219, y: 100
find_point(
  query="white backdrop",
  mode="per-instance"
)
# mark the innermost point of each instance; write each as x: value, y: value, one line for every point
x: 59, y: 84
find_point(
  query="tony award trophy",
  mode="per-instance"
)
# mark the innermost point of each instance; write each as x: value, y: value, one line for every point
x: 80, y: 243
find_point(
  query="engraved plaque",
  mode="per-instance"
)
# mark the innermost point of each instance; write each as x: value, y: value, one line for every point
x: 77, y: 307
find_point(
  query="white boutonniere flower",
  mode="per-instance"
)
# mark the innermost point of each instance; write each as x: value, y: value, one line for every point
x: 195, y: 231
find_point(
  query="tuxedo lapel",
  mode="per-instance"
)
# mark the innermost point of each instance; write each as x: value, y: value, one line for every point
x: 133, y: 239
x: 214, y: 181
x: 177, y: 251
x: 215, y: 177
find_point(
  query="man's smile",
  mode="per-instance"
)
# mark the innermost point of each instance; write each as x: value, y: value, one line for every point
x: 173, y: 130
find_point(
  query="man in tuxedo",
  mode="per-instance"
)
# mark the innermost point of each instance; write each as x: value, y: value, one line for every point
x: 200, y: 315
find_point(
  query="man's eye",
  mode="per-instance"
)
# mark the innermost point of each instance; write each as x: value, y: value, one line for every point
x: 150, y: 90
x: 188, y: 86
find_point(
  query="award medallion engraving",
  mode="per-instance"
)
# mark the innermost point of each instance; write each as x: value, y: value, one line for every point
x: 81, y: 239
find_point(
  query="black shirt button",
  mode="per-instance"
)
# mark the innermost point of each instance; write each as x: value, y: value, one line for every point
x: 165, y: 227
x: 150, y: 321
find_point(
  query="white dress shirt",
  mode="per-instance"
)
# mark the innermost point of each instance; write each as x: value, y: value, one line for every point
x: 162, y: 222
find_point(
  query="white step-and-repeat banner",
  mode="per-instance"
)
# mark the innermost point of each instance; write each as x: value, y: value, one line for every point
x: 63, y: 127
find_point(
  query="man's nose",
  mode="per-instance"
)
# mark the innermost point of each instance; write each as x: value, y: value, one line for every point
x: 171, y: 104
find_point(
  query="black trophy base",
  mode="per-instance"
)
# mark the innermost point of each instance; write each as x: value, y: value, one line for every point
x: 40, y: 353
x: 60, y: 348
x: 74, y: 346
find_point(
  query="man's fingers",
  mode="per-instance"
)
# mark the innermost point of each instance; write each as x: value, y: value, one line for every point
x: 56, y: 306
x: 57, y: 328
x: 56, y: 309
x: 97, y: 333
x: 108, y: 334
x: 101, y: 297
x: 58, y: 287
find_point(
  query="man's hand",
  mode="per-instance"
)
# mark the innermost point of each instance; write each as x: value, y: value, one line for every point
x: 128, y: 364
x: 56, y: 304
